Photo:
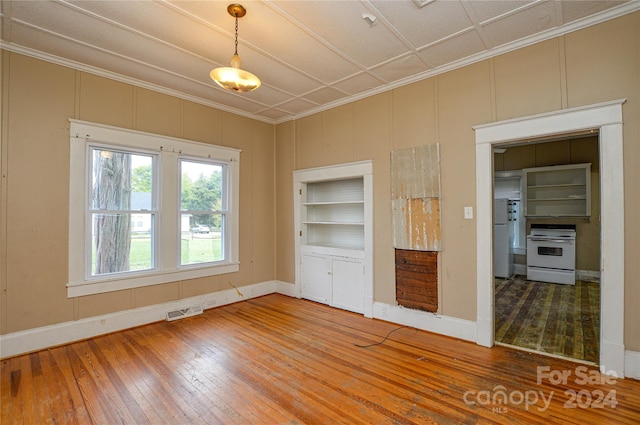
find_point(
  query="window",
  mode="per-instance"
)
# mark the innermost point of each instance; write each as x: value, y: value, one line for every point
x: 203, y: 209
x: 147, y: 209
x: 122, y: 185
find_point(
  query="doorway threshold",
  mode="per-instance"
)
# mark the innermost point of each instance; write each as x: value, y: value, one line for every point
x: 543, y: 353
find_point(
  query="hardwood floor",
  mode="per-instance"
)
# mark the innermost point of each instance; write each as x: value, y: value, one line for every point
x: 280, y: 360
x: 563, y: 320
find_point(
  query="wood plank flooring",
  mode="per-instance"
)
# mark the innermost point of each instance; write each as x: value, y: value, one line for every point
x: 280, y: 360
x: 557, y: 319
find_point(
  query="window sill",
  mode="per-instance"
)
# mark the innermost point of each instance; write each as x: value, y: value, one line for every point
x: 79, y: 289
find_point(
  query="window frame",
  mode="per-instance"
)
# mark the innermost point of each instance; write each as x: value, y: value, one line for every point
x: 84, y: 135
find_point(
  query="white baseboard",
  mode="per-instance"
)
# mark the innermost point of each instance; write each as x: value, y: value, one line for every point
x: 286, y: 288
x: 632, y: 364
x: 31, y: 340
x: 35, y: 339
x: 444, y: 325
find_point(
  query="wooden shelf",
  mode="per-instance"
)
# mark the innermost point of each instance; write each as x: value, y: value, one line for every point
x: 311, y: 204
x: 333, y: 213
x: 557, y: 191
x: 332, y: 223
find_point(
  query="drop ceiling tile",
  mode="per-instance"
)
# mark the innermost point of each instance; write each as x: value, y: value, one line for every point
x: 276, y: 74
x: 234, y: 100
x: 297, y: 106
x: 265, y: 95
x: 168, y: 24
x: 275, y: 114
x: 341, y: 24
x: 522, y: 24
x: 324, y: 95
x: 401, y: 68
x: 454, y: 49
x: 423, y: 26
x: 490, y: 9
x: 573, y: 10
x: 103, y: 35
x: 277, y: 37
x: 359, y: 83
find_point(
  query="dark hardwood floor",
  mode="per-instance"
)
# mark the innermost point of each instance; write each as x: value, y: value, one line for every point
x: 280, y: 360
x: 562, y: 320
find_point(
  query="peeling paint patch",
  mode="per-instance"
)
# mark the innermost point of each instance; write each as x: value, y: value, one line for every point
x: 415, y: 198
x: 416, y: 224
x: 415, y: 172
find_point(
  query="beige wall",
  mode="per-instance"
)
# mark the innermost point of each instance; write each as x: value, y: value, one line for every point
x: 598, y: 64
x: 578, y: 151
x: 38, y: 99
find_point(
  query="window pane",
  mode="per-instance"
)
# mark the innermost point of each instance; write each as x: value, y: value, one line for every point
x: 201, y: 191
x: 201, y: 187
x: 121, y: 181
x: 201, y: 243
x: 116, y: 247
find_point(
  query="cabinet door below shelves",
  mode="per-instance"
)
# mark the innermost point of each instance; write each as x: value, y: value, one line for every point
x: 316, y: 280
x: 348, y: 284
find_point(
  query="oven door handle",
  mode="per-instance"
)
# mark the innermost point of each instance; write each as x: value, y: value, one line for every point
x: 550, y: 240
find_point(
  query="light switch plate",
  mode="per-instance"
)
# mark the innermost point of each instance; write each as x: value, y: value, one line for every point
x: 468, y: 213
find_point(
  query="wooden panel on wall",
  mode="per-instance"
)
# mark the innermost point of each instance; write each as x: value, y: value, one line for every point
x: 415, y: 198
x: 417, y: 279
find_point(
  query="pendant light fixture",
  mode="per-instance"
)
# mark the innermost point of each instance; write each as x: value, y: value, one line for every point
x: 234, y: 78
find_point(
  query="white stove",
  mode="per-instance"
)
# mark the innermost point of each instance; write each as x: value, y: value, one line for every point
x: 551, y: 253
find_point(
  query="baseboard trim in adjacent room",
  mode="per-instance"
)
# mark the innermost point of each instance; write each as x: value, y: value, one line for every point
x: 22, y: 342
x: 587, y: 275
x: 431, y: 322
x: 520, y: 269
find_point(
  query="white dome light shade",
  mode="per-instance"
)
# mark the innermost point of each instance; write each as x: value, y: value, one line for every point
x: 234, y: 78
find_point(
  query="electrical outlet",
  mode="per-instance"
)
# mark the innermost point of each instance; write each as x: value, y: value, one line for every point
x: 384, y: 312
x: 468, y: 213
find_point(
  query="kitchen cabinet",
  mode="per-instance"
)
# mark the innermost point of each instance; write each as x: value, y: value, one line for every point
x: 557, y: 191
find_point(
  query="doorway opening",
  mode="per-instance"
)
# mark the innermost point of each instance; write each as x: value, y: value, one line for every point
x: 547, y: 259
x: 606, y: 119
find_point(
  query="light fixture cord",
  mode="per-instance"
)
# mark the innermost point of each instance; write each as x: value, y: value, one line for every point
x: 236, y: 33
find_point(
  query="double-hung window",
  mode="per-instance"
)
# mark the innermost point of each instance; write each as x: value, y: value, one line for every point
x: 146, y: 209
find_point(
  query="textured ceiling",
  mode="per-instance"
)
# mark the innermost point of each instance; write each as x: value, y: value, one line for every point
x: 310, y: 55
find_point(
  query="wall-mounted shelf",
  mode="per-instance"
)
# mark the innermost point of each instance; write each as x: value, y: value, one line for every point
x: 557, y: 191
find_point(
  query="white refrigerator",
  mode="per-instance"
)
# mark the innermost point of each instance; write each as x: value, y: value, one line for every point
x: 502, y: 257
